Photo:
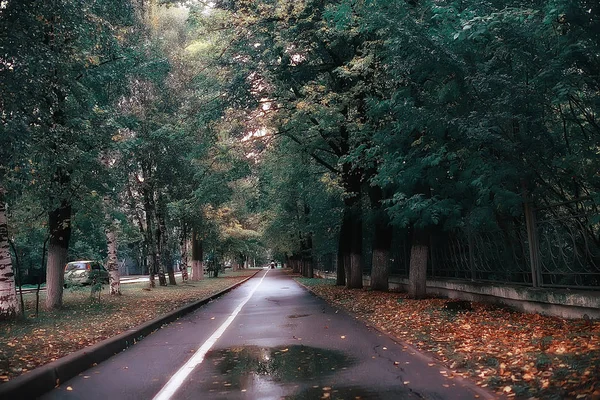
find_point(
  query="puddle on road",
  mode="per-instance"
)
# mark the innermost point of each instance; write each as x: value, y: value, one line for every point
x: 276, y: 370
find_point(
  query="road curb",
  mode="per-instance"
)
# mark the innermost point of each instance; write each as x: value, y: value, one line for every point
x: 45, y: 378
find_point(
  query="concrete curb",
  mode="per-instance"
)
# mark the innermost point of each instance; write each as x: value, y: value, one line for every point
x: 45, y: 378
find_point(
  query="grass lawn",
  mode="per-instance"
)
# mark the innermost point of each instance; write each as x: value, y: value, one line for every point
x: 34, y: 341
x: 520, y: 355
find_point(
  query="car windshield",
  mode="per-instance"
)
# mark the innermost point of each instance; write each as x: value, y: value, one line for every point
x: 76, y: 266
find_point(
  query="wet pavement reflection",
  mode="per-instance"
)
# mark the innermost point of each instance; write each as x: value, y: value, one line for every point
x: 287, y: 372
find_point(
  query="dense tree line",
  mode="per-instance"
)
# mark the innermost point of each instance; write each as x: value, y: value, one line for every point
x: 115, y: 139
x: 316, y: 127
x: 426, y: 115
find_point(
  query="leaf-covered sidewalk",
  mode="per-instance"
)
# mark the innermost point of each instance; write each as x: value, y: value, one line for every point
x: 33, y: 342
x: 522, y: 355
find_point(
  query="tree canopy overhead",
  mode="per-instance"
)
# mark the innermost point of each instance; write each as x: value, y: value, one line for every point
x: 309, y: 130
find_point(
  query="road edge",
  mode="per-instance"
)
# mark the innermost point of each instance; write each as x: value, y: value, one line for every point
x: 46, y: 377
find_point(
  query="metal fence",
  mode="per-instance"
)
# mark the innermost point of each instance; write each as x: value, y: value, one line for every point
x: 568, y: 243
x: 498, y: 255
x: 551, y: 246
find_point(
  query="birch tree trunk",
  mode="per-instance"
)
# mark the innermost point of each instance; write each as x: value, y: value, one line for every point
x: 111, y: 246
x: 60, y: 233
x: 9, y: 304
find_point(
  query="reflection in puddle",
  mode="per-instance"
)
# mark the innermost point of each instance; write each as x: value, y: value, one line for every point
x: 275, y: 372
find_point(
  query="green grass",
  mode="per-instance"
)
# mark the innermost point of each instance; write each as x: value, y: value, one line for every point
x: 316, y: 282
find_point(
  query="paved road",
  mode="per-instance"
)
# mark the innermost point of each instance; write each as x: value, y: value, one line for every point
x: 268, y: 339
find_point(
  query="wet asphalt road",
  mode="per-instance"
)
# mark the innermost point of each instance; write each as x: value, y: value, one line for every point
x: 283, y: 344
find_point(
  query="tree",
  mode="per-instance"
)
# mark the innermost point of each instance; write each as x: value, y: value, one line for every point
x: 9, y: 304
x: 45, y: 43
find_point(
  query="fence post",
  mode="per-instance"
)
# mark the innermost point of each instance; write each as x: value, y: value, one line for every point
x: 532, y: 238
x: 470, y: 243
x: 432, y: 256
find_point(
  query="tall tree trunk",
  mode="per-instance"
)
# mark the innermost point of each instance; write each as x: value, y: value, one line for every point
x: 417, y: 278
x: 161, y: 245
x: 303, y: 257
x: 169, y: 265
x: 340, y: 272
x: 308, y: 256
x: 351, y: 230
x: 183, y: 245
x: 343, y: 249
x: 111, y: 246
x: 9, y: 304
x: 297, y: 267
x: 60, y: 233
x: 216, y: 260
x: 151, y: 255
x: 382, y: 243
x: 380, y: 270
x: 311, y: 268
x: 197, y: 255
x: 355, y: 280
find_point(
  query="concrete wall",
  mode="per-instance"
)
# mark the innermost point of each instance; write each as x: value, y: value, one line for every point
x: 556, y: 302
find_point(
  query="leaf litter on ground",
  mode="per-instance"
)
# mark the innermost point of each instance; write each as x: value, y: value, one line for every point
x: 520, y: 355
x: 82, y: 321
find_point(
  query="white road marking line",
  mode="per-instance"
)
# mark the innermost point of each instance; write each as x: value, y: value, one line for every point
x: 178, y: 377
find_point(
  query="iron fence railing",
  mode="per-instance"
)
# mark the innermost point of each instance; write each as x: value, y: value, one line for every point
x: 552, y: 246
x: 568, y: 242
x: 498, y: 255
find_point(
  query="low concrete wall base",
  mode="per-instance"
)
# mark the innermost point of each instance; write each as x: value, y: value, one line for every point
x: 563, y: 303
